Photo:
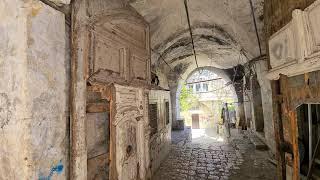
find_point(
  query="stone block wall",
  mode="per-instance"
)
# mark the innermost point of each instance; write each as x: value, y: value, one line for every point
x: 34, y: 90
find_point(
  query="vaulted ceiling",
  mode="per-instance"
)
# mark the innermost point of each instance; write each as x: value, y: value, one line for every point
x: 221, y: 29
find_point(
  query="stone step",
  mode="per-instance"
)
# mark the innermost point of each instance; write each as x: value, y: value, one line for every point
x: 257, y: 142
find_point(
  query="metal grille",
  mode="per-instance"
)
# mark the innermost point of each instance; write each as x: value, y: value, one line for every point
x: 153, y: 117
x: 167, y: 115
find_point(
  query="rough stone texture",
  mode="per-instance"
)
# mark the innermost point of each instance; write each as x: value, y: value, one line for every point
x: 160, y: 142
x: 34, y: 89
x: 209, y: 157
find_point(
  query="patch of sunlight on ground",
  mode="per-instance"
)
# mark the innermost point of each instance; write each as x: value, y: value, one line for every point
x: 206, y: 134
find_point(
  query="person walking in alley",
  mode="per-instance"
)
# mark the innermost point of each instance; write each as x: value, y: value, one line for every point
x: 226, y: 120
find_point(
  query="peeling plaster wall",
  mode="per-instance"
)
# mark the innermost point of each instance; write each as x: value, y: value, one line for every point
x: 14, y: 114
x: 160, y: 142
x: 33, y: 90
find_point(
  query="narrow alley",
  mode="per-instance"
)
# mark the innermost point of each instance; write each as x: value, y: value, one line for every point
x: 202, y: 154
x: 159, y: 89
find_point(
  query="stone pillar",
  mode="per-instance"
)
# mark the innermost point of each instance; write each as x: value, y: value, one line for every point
x: 247, y: 99
x: 80, y: 47
x: 33, y: 91
x: 240, y: 109
x: 173, y: 96
x: 266, y: 96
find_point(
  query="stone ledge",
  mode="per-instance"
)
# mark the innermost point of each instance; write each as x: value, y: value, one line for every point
x: 257, y: 142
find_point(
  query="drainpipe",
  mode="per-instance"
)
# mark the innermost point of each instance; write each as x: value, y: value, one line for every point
x: 310, y: 134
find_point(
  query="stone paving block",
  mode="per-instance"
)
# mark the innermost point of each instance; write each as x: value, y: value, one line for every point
x: 217, y: 161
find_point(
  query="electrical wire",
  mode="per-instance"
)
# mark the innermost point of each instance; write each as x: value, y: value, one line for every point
x: 166, y: 63
x: 204, y: 81
x: 191, y: 35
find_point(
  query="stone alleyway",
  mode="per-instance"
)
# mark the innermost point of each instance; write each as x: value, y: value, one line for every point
x: 206, y: 155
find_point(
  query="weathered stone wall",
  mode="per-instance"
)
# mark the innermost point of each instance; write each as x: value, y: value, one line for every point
x: 14, y: 115
x: 266, y: 96
x: 34, y: 91
x: 163, y: 80
x: 160, y: 141
x: 294, y: 90
x: 263, y: 110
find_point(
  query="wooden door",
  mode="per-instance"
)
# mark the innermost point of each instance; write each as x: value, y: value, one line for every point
x: 195, y: 121
x: 111, y: 47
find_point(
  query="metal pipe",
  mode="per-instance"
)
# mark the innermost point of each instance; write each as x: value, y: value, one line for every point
x: 310, y: 133
x: 255, y: 25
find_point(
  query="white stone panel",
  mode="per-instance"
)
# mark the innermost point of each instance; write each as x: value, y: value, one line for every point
x: 312, y: 15
x: 295, y: 49
x: 282, y: 46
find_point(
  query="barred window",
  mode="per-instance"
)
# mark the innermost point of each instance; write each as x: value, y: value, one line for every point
x: 153, y: 117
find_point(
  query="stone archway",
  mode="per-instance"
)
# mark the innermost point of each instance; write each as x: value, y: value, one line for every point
x: 175, y: 90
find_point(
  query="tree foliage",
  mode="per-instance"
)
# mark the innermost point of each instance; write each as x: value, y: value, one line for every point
x: 187, y: 99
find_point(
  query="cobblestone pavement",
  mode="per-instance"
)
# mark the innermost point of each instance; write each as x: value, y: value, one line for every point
x: 209, y: 156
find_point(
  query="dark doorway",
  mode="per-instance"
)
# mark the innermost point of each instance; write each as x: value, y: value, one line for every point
x: 308, y: 118
x: 257, y: 105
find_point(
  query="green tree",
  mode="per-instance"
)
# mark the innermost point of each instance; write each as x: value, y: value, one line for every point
x: 187, y: 99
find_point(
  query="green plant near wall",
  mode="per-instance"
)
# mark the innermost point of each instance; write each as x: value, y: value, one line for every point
x: 187, y: 99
